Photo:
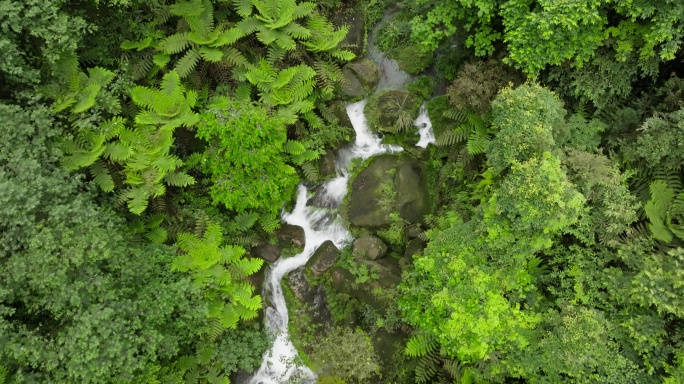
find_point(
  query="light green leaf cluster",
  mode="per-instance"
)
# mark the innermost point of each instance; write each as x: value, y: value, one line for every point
x: 246, y: 158
x: 219, y: 271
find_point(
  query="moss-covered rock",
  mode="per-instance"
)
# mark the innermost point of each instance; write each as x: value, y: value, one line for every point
x: 352, y: 87
x: 392, y: 111
x: 324, y: 258
x: 361, y: 77
x: 369, y: 248
x: 389, y: 183
x: 365, y: 210
x: 366, y: 71
x: 410, y: 180
x: 326, y: 164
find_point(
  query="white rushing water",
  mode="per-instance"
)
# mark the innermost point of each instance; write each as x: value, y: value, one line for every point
x: 319, y: 224
x: 424, y: 125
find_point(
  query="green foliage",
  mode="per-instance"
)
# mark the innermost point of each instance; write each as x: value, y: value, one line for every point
x: 423, y: 87
x: 347, y: 353
x: 521, y: 133
x: 658, y: 142
x: 665, y: 212
x: 475, y: 131
x: 246, y: 159
x: 576, y: 347
x: 463, y: 290
x: 81, y: 88
x: 478, y: 83
x: 52, y: 31
x: 413, y: 59
x: 659, y: 282
x: 78, y: 302
x: 220, y: 272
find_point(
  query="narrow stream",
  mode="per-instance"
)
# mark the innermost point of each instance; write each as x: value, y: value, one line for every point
x: 319, y: 224
x: 316, y: 211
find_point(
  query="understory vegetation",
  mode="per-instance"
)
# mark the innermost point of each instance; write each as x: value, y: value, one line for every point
x: 148, y: 148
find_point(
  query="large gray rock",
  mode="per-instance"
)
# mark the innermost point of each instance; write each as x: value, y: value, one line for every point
x: 324, y: 258
x: 412, y: 231
x: 369, y: 204
x: 414, y: 247
x: 365, y: 209
x: 369, y: 247
x: 290, y: 235
x: 351, y: 85
x: 366, y: 71
x: 326, y: 164
x: 410, y: 181
x: 268, y: 252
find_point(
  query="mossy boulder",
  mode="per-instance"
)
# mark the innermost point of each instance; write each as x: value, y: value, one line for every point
x: 410, y: 181
x: 325, y: 256
x: 339, y: 109
x: 366, y: 71
x: 290, y: 235
x: 369, y: 248
x: 392, y: 111
x: 343, y: 281
x: 361, y: 76
x: 365, y: 210
x: 389, y: 183
x: 352, y: 87
x: 412, y: 231
x: 268, y: 252
x: 414, y: 247
x: 326, y: 164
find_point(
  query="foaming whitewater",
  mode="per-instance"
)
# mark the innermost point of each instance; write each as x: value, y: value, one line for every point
x: 317, y: 215
x: 279, y: 364
x: 424, y: 125
x: 366, y: 144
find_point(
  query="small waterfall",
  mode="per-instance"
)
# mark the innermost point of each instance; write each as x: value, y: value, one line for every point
x: 318, y: 216
x: 424, y: 125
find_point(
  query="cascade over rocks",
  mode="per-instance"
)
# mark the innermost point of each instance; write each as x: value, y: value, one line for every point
x: 369, y: 247
x: 323, y: 258
x: 368, y: 201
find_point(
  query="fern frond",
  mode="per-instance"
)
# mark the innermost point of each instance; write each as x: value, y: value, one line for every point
x: 420, y: 345
x: 457, y: 115
x: 175, y: 43
x: 187, y: 63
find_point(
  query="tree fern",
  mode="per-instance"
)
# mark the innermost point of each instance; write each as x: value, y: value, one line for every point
x: 665, y: 212
x: 218, y: 270
x: 310, y: 170
x: 420, y: 345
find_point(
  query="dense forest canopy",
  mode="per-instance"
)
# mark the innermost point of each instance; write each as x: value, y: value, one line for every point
x: 148, y: 148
